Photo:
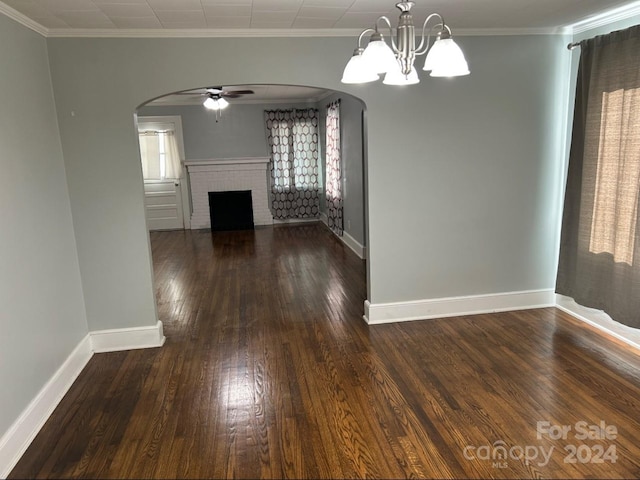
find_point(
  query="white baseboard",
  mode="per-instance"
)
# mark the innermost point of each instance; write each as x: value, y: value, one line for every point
x: 127, y: 338
x: 277, y: 221
x: 354, y: 245
x: 347, y: 239
x: 599, y: 320
x: 17, y: 439
x: 456, y: 306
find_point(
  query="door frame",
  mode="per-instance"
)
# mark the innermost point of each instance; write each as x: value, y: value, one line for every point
x: 159, y: 122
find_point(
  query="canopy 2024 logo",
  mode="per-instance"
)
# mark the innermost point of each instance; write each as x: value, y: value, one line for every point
x: 595, y: 446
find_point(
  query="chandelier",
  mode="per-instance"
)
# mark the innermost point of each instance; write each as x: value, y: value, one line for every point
x: 396, y: 62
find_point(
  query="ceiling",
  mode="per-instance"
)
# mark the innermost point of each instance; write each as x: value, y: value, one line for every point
x: 165, y: 15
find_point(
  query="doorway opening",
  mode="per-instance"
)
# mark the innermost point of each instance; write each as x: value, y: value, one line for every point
x: 166, y: 194
x: 233, y: 151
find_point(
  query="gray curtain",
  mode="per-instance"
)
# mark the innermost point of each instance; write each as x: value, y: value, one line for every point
x: 600, y: 245
x: 292, y: 136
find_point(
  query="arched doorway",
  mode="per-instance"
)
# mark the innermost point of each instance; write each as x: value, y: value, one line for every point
x: 231, y: 141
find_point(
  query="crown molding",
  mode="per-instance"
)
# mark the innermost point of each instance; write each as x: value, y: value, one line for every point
x: 23, y: 20
x: 200, y: 32
x: 266, y: 33
x: 497, y: 32
x: 605, y: 18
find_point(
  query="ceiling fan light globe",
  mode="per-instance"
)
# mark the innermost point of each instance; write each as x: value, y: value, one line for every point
x: 210, y: 104
x: 222, y: 103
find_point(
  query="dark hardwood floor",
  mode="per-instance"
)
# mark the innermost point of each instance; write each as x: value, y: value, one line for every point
x: 269, y: 371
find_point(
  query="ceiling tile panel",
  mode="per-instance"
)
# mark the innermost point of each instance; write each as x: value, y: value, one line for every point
x: 120, y: 2
x: 379, y: 6
x: 126, y: 10
x: 313, y: 22
x: 226, y: 2
x: 270, y: 25
x: 158, y: 5
x: 321, y: 12
x: 274, y: 17
x: 85, y: 19
x: 328, y: 3
x: 184, y: 16
x: 229, y: 22
x: 76, y: 5
x: 357, y: 20
x: 227, y: 11
x: 276, y: 5
x: 136, y: 22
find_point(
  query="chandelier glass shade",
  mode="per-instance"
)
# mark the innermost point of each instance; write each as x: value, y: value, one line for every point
x: 396, y: 60
x: 396, y: 77
x: 356, y: 71
x: 379, y: 55
x: 445, y: 59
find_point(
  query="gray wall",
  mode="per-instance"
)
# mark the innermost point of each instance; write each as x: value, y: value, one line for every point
x: 352, y: 161
x: 42, y: 315
x: 462, y: 176
x: 239, y: 133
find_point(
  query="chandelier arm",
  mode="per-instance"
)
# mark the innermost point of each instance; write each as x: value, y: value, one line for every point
x: 362, y: 34
x: 420, y: 50
x: 386, y: 20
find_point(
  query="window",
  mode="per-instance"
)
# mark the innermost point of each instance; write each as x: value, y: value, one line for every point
x: 293, y: 140
x: 159, y: 153
x: 615, y: 204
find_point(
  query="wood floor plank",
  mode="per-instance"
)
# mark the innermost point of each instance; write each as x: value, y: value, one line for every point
x: 270, y: 372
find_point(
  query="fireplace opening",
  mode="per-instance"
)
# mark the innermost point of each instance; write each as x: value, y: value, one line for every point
x: 231, y: 210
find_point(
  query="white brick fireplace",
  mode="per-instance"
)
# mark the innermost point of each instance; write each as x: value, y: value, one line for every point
x: 229, y: 174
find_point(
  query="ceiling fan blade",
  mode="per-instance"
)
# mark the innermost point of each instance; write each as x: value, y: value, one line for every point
x: 188, y: 93
x: 239, y: 92
x: 230, y: 95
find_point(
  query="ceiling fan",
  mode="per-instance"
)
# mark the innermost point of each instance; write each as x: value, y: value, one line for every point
x: 216, y: 96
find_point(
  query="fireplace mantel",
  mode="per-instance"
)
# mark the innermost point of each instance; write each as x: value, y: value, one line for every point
x: 229, y: 174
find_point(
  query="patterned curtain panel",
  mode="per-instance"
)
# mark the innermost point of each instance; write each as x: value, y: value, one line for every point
x: 293, y: 140
x: 333, y: 195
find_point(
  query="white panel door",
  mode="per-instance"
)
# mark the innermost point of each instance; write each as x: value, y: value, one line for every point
x: 163, y: 202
